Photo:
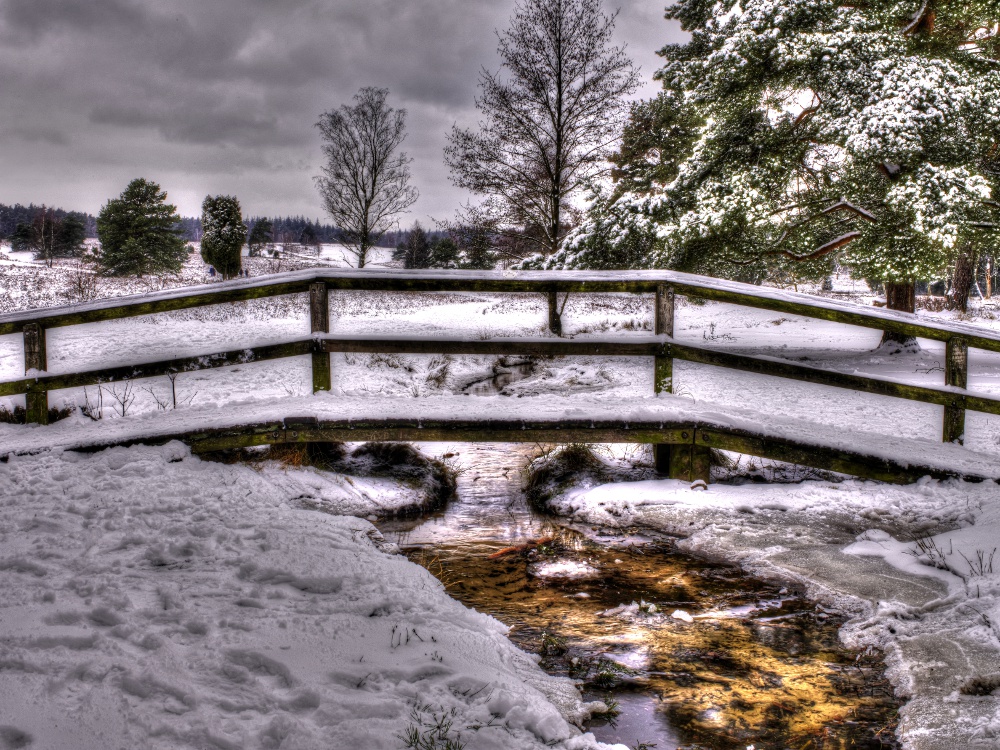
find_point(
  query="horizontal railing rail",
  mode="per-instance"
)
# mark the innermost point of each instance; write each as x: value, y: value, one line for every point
x: 954, y: 396
x: 545, y: 282
x: 633, y: 346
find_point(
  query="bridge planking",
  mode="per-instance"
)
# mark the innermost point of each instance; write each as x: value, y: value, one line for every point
x: 677, y: 433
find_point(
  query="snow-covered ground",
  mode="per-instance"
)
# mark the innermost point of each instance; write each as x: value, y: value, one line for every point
x: 940, y: 625
x: 152, y: 600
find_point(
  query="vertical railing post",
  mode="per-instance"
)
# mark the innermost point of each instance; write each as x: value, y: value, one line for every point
x: 663, y: 325
x: 956, y: 373
x: 36, y: 400
x: 663, y: 376
x: 555, y: 319
x: 319, y: 322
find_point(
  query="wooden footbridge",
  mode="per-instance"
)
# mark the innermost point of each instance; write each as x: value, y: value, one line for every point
x: 683, y: 433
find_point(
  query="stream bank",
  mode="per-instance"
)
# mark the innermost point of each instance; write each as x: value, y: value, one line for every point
x: 686, y: 653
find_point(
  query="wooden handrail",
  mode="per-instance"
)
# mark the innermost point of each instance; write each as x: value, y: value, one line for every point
x: 645, y: 282
x: 42, y: 383
x: 631, y: 346
x: 664, y: 284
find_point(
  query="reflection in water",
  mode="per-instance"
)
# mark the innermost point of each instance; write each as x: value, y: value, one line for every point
x: 696, y: 655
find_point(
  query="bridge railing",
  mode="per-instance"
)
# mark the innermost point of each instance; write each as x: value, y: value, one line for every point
x: 663, y: 285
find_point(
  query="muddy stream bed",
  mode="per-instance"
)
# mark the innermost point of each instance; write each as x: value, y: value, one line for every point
x: 689, y: 654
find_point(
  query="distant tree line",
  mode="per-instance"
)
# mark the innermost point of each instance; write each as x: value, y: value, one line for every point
x: 285, y: 228
x: 457, y: 246
x: 11, y: 216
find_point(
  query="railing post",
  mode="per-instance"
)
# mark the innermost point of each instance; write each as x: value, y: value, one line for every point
x: 663, y: 325
x: 956, y: 373
x: 555, y: 319
x: 666, y: 458
x: 319, y: 322
x: 36, y: 401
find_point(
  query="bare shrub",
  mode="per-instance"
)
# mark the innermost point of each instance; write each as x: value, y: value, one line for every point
x: 83, y: 285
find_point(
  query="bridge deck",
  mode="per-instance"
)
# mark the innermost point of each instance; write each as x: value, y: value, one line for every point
x: 665, y: 419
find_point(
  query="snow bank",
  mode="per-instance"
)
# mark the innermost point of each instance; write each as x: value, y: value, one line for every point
x: 150, y: 599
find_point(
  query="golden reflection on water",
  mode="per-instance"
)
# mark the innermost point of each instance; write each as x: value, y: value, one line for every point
x: 756, y: 666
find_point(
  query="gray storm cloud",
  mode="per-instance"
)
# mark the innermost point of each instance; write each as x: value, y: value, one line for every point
x: 223, y: 96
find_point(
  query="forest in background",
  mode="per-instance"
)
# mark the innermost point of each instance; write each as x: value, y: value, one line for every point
x: 286, y: 228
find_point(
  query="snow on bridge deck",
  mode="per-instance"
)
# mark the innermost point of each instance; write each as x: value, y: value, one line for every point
x: 510, y: 419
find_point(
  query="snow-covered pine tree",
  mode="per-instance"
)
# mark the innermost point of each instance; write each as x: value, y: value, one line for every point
x: 793, y: 132
x: 223, y: 234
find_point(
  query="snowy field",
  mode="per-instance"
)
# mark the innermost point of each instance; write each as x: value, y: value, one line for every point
x: 108, y: 561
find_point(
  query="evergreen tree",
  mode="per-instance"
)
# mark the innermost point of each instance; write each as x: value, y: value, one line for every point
x: 791, y: 133
x: 476, y: 247
x: 23, y: 238
x: 415, y: 251
x: 223, y: 234
x: 261, y: 237
x: 139, y: 233
x: 444, y: 254
x: 69, y: 236
x: 308, y: 237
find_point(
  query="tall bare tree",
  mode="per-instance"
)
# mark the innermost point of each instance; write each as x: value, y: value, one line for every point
x: 549, y: 117
x: 366, y: 181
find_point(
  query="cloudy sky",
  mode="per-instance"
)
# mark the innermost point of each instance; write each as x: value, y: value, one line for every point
x: 222, y: 96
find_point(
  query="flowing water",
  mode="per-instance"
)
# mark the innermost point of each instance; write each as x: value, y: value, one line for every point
x: 689, y: 654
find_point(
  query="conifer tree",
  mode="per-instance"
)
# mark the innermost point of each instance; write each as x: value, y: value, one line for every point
x: 415, y: 250
x: 23, y: 238
x: 261, y: 236
x: 444, y: 254
x: 794, y: 132
x: 69, y: 236
x: 140, y: 233
x: 223, y: 234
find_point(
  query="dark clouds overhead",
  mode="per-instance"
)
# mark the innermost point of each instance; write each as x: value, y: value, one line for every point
x: 221, y: 96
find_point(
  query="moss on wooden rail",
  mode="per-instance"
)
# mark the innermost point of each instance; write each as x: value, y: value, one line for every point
x: 664, y: 349
x: 152, y: 369
x: 541, y: 282
x: 856, y: 463
x: 660, y: 347
x: 129, y: 307
x: 953, y: 397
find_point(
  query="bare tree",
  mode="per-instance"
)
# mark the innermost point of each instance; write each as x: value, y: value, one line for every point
x: 365, y: 182
x: 550, y: 116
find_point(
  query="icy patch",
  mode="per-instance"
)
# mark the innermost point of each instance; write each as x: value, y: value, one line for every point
x: 565, y: 569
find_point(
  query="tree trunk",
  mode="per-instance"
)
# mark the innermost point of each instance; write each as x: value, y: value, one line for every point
x: 962, y: 285
x: 899, y: 296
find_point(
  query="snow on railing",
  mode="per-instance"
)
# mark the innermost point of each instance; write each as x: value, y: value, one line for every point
x: 664, y: 284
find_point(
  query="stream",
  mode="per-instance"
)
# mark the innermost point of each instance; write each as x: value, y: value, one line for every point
x: 690, y: 654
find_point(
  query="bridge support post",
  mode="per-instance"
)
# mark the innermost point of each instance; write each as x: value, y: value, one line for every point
x: 668, y: 459
x: 555, y: 317
x: 319, y: 322
x: 36, y: 401
x: 956, y: 373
